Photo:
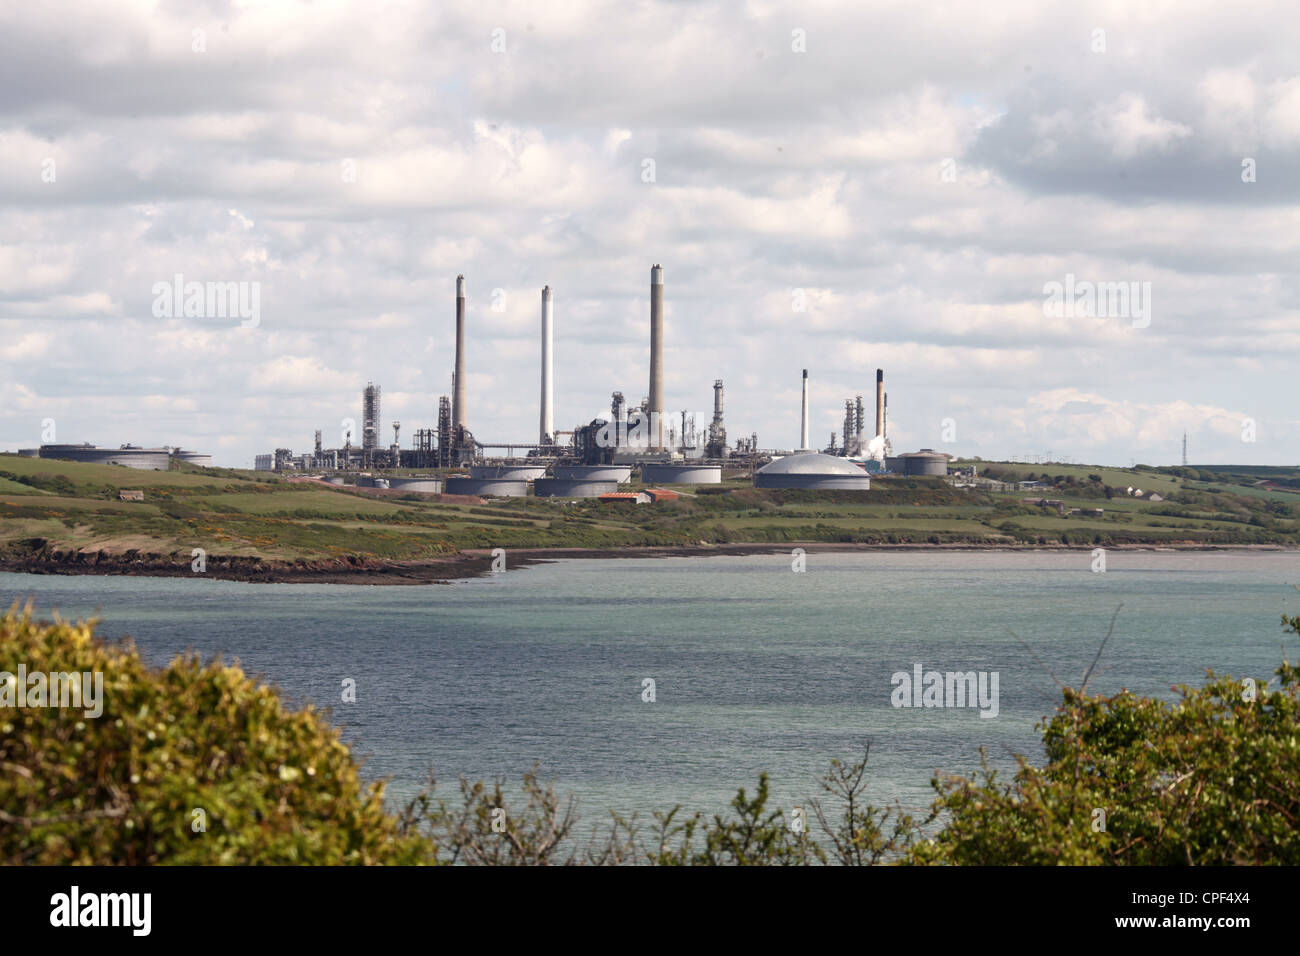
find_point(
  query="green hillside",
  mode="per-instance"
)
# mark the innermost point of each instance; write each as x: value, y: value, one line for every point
x: 50, y: 508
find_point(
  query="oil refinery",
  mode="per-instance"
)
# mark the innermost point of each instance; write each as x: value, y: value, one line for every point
x: 592, y: 458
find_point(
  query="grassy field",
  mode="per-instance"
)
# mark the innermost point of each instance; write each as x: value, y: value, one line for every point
x: 72, y: 507
x: 1115, y: 477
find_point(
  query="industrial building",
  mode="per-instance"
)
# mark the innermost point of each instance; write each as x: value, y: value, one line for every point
x: 626, y: 497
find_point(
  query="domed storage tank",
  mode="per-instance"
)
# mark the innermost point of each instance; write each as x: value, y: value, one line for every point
x: 661, y: 473
x: 614, y: 473
x: 812, y: 470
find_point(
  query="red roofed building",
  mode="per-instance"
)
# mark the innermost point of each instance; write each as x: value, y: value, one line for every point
x: 662, y: 494
x: 636, y: 498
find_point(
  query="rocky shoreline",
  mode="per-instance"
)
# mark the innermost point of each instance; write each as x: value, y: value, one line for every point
x: 467, y: 564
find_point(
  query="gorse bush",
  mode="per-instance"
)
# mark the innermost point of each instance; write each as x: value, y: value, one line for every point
x: 195, y: 763
x: 1212, y: 779
x: 270, y: 785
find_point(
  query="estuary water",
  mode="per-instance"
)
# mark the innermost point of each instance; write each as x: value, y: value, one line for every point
x: 755, y: 667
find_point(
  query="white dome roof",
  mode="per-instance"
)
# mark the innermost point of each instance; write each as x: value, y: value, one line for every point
x: 812, y: 463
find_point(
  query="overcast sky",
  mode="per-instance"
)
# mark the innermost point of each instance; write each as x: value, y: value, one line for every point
x: 920, y: 172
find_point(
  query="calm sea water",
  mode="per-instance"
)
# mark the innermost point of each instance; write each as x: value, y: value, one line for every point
x: 756, y: 668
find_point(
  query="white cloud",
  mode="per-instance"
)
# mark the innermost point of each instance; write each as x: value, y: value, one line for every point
x: 1129, y: 128
x: 776, y: 170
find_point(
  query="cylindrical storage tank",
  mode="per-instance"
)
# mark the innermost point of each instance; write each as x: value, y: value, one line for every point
x: 430, y: 486
x: 894, y: 463
x: 334, y: 480
x: 673, y: 474
x: 365, y: 481
x: 381, y: 482
x: 614, y: 473
x: 927, y: 466
x: 193, y: 457
x: 486, y: 487
x: 572, y: 488
x: 145, y: 459
x: 509, y: 472
x: 925, y: 462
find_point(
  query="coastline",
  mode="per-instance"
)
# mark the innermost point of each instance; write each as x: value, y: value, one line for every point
x: 477, y: 562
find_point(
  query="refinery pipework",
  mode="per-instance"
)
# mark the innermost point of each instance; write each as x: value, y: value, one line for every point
x: 880, y: 401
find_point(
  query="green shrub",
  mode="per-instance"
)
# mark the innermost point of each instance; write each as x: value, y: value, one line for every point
x: 1210, y: 780
x: 275, y: 786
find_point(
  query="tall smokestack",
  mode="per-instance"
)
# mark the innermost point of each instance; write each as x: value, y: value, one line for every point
x: 880, y: 401
x: 657, y: 357
x: 458, y: 409
x: 803, y: 430
x: 548, y: 396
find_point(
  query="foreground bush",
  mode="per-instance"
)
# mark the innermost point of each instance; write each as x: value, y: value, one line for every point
x: 1212, y: 779
x: 270, y: 785
x: 197, y: 764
